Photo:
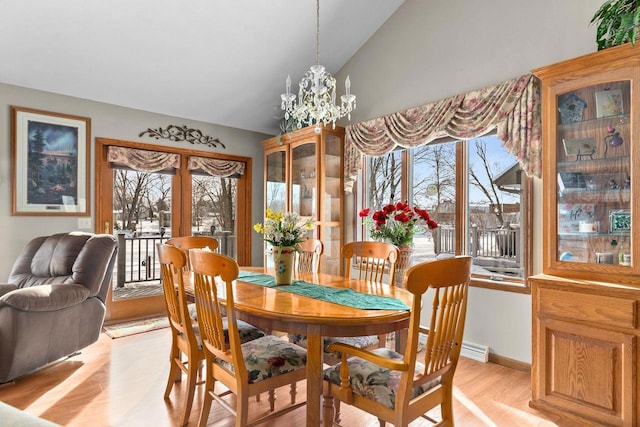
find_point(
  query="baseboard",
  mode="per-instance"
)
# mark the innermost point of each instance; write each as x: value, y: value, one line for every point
x: 509, y: 363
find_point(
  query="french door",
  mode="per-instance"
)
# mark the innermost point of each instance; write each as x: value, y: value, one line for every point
x: 147, y: 194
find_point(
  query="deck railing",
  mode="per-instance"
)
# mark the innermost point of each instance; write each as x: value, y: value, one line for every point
x: 502, y: 245
x: 138, y: 259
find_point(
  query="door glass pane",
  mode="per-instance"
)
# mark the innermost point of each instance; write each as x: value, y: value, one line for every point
x: 276, y: 189
x: 213, y: 207
x: 434, y: 189
x: 303, y: 180
x: 594, y: 174
x: 141, y: 218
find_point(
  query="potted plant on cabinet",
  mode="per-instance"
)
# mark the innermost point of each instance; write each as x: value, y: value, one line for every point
x: 617, y: 22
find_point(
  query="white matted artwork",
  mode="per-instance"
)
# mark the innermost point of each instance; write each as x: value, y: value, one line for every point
x: 609, y: 103
x: 570, y: 215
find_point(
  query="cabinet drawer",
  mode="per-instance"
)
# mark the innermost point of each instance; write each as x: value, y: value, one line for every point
x: 617, y: 312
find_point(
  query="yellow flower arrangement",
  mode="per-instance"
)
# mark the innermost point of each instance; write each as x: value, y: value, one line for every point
x: 283, y: 228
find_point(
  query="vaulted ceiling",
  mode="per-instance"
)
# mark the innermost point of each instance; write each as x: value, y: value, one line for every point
x: 217, y: 61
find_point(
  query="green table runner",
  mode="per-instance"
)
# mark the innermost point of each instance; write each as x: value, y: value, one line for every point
x: 342, y: 296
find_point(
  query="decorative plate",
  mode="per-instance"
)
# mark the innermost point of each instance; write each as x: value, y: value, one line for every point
x: 620, y: 222
x: 571, y: 108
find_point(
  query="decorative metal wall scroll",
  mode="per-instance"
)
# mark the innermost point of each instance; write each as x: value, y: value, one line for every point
x: 183, y: 133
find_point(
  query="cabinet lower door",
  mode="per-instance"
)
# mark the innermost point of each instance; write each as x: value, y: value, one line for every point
x: 585, y: 371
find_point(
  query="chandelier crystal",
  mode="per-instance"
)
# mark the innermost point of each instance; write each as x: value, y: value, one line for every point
x: 315, y: 103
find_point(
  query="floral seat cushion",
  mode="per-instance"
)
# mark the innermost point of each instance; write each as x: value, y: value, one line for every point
x: 360, y: 342
x: 270, y: 356
x: 246, y: 331
x: 375, y: 382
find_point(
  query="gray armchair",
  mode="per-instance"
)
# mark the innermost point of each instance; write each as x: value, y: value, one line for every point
x: 54, y: 303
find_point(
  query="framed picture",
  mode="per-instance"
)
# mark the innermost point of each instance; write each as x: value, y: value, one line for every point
x: 579, y: 147
x: 571, y: 214
x: 609, y: 103
x: 50, y: 154
x: 620, y: 222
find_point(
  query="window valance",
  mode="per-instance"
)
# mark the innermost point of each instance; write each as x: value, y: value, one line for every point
x: 216, y: 167
x: 511, y: 107
x: 143, y: 160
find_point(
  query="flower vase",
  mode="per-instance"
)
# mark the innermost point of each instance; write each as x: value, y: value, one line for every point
x: 405, y: 259
x: 283, y: 260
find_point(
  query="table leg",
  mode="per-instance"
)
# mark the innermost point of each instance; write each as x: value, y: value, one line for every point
x: 314, y: 375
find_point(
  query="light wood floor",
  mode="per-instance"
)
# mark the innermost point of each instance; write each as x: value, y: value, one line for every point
x: 120, y: 382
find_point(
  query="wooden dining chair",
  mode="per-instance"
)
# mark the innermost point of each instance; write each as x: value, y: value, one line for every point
x: 398, y: 388
x: 245, y: 369
x: 193, y: 242
x: 308, y: 256
x: 186, y: 354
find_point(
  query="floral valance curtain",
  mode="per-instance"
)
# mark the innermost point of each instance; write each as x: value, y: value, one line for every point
x: 511, y: 107
x: 143, y: 160
x: 216, y: 167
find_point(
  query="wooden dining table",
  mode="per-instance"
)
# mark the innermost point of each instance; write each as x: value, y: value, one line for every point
x: 275, y: 309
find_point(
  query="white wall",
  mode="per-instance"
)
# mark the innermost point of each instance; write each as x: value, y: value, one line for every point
x: 429, y: 50
x: 107, y: 121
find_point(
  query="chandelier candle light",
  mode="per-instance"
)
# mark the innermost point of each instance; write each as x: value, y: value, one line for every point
x: 317, y: 94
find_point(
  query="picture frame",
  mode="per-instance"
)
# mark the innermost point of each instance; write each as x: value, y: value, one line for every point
x: 50, y: 163
x: 620, y: 222
x: 609, y: 103
x: 579, y: 147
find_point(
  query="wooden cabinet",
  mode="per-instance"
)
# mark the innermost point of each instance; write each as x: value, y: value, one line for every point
x: 586, y: 304
x: 303, y: 174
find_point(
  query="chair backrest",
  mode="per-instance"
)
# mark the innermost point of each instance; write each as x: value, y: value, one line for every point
x: 193, y: 242
x: 213, y: 275
x: 173, y: 262
x: 76, y: 257
x: 308, y: 256
x: 448, y: 279
x: 370, y: 259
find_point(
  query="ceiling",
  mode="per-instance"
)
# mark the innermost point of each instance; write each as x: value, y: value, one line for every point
x: 217, y: 61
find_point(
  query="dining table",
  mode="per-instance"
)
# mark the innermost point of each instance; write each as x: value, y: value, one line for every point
x: 318, y: 305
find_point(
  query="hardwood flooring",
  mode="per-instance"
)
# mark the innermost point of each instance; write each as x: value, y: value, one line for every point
x: 120, y: 383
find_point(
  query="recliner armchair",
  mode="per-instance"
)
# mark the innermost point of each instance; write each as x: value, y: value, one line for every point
x: 54, y: 303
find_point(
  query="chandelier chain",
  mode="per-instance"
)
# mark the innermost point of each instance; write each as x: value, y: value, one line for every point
x: 317, y: 32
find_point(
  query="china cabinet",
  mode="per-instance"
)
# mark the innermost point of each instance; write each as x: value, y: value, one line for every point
x: 586, y: 304
x: 303, y: 174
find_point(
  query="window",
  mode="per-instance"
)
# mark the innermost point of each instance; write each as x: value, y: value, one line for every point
x: 476, y: 192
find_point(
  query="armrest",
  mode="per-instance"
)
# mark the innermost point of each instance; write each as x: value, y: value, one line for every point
x: 6, y: 288
x: 346, y: 349
x: 45, y: 297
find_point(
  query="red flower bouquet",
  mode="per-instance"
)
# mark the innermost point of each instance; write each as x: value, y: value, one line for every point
x: 397, y: 223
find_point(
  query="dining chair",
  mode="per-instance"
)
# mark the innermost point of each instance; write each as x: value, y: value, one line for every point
x: 308, y: 256
x: 185, y: 243
x: 398, y: 388
x: 245, y: 369
x: 186, y: 354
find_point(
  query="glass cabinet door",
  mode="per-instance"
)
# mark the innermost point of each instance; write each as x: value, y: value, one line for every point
x: 593, y: 161
x: 276, y: 185
x: 303, y: 180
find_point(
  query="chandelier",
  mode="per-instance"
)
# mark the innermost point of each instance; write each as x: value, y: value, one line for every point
x: 317, y: 95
